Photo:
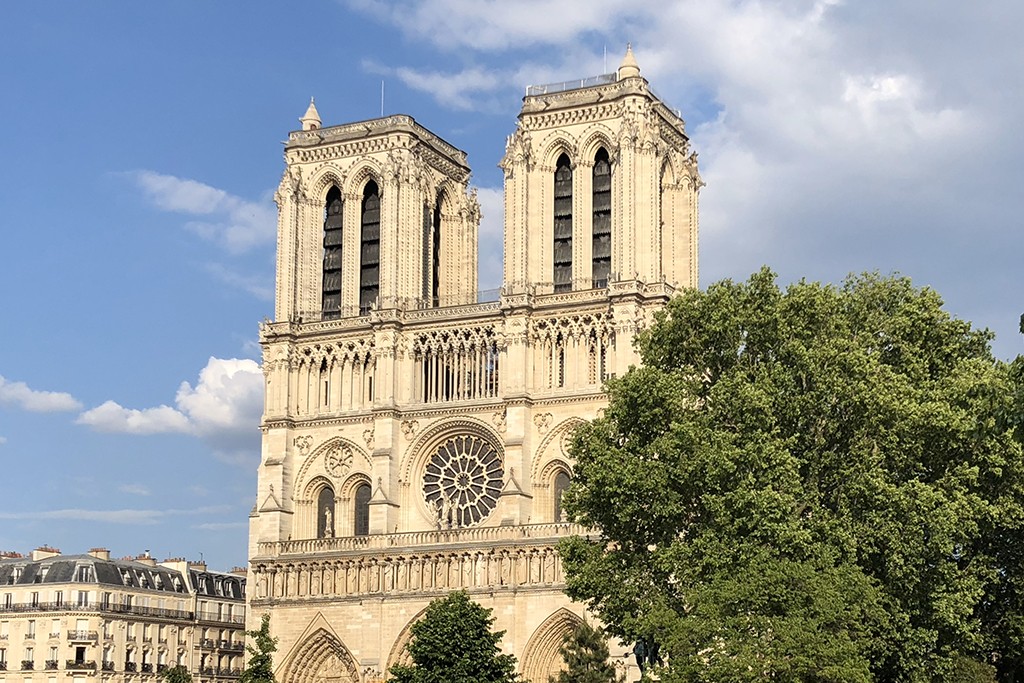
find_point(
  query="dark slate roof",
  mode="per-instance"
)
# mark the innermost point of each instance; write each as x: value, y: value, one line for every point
x: 62, y: 569
x: 218, y: 584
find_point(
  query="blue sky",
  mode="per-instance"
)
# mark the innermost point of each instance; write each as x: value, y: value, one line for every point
x: 141, y: 142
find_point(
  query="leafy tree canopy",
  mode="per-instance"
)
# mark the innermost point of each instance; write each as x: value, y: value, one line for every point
x: 808, y: 484
x: 586, y: 657
x: 176, y: 674
x: 260, y: 668
x: 453, y: 643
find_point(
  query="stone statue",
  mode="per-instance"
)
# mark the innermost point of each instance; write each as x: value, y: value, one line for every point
x: 328, y: 522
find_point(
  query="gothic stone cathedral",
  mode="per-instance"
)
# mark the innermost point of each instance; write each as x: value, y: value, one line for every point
x: 414, y: 435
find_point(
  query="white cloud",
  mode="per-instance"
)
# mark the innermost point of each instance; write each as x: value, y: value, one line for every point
x: 113, y: 417
x: 19, y: 395
x: 498, y: 24
x: 122, y: 516
x: 834, y: 136
x: 3, y: 440
x: 235, y: 223
x: 134, y: 489
x: 223, y: 409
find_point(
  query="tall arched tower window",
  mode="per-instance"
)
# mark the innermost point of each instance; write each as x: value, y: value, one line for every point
x: 369, y: 247
x: 435, y: 255
x: 332, y: 255
x: 362, y: 510
x: 602, y: 229
x: 561, y: 484
x: 563, y: 225
x: 325, y: 513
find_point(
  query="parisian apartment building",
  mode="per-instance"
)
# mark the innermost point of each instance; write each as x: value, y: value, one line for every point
x: 416, y: 429
x: 89, y: 617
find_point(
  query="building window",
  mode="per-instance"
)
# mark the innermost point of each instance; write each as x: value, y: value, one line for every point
x: 8, y: 600
x: 563, y: 225
x: 58, y: 598
x: 325, y: 513
x: 31, y: 632
x: 369, y: 248
x: 561, y: 484
x: 332, y: 255
x: 435, y: 255
x: 84, y: 575
x: 362, y: 510
x: 35, y: 598
x: 83, y: 598
x: 602, y: 229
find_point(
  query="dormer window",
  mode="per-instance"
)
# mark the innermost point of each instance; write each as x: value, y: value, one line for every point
x: 126, y: 577
x: 158, y: 582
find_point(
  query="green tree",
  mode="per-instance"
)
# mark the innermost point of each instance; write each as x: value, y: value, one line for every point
x: 585, y: 653
x: 809, y: 484
x: 176, y: 674
x: 453, y: 643
x: 260, y: 668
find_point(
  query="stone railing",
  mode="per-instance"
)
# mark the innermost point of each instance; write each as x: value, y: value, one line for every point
x: 421, y: 539
x: 418, y: 562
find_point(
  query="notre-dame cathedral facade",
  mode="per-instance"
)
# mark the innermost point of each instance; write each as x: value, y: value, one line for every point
x: 414, y: 433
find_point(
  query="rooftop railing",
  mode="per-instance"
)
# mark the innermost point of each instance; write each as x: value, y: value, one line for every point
x: 549, y: 88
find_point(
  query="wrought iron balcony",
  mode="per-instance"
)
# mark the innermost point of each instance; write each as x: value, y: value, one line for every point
x: 79, y: 636
x: 107, y: 666
x: 27, y: 665
x: 147, y: 668
x: 52, y: 664
x: 80, y: 665
x: 130, y: 666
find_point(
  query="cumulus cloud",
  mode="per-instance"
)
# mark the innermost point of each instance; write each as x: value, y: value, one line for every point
x: 223, y: 409
x: 113, y: 417
x: 834, y: 137
x: 235, y: 223
x: 19, y: 395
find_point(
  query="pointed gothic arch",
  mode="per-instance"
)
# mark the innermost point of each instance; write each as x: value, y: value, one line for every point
x: 321, y: 657
x: 399, y: 654
x: 542, y: 657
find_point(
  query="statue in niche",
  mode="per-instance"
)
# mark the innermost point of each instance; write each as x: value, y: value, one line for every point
x: 328, y: 523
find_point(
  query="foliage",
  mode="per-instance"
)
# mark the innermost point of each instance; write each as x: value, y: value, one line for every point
x: 585, y: 653
x: 176, y: 674
x: 809, y: 484
x: 260, y: 668
x: 453, y: 643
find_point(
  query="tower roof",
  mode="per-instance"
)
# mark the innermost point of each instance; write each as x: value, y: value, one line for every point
x: 311, y: 119
x: 629, y: 68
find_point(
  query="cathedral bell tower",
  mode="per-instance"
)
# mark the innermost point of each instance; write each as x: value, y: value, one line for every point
x: 373, y: 215
x: 600, y: 187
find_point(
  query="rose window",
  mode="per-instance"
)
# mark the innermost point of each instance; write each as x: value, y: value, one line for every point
x: 462, y: 481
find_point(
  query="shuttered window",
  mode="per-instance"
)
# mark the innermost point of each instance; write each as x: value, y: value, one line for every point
x: 563, y: 225
x: 369, y: 248
x: 332, y: 255
x: 602, y: 230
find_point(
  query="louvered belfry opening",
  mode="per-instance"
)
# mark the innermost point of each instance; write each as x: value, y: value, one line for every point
x: 435, y: 255
x: 332, y: 255
x: 563, y: 225
x: 369, y: 248
x: 602, y: 231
